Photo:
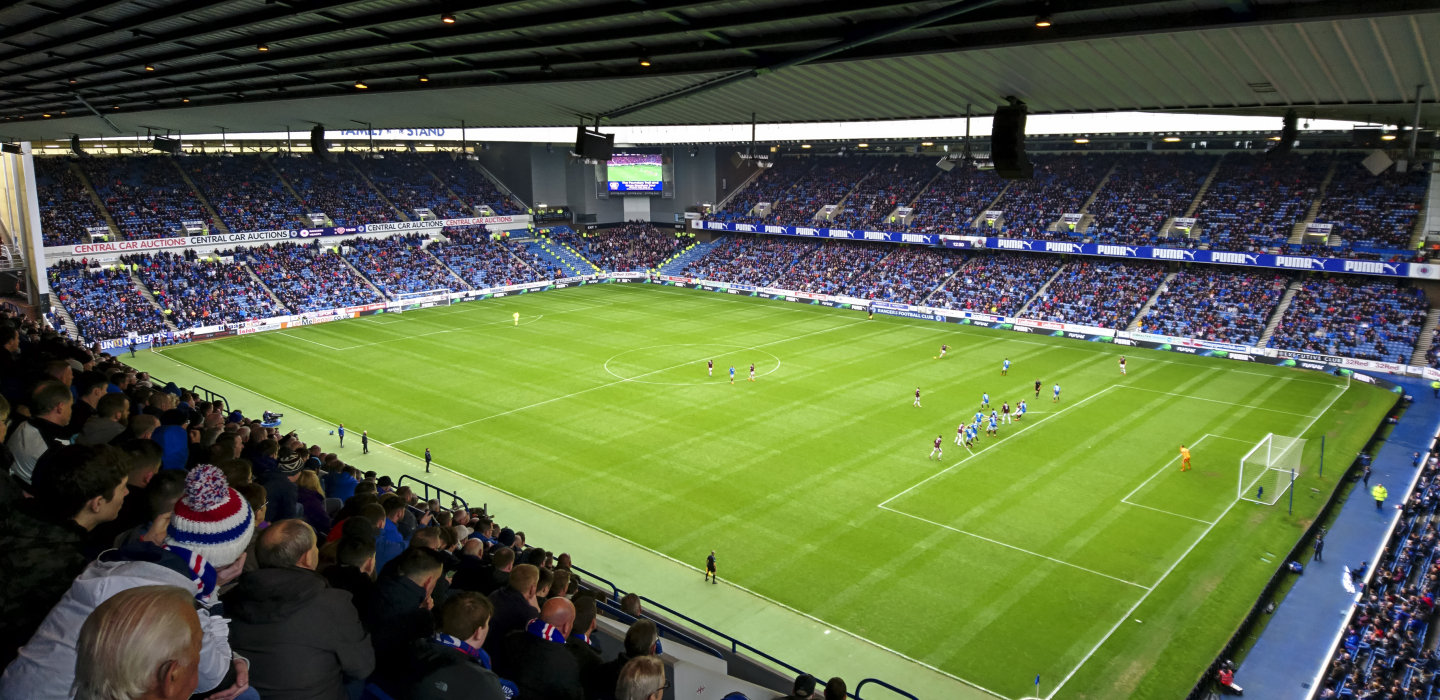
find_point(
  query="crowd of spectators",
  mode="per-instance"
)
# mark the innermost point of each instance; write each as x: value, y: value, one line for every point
x: 245, y: 192
x: 1383, y: 651
x: 145, y: 195
x: 893, y: 183
x: 769, y: 186
x: 66, y: 209
x: 468, y: 183
x: 1096, y: 292
x: 196, y: 292
x: 826, y: 183
x: 1372, y: 210
x: 908, y: 275
x: 998, y: 284
x: 1061, y: 185
x: 308, y: 278
x: 335, y: 189
x: 1217, y: 304
x: 1255, y: 199
x: 1142, y: 193
x: 955, y: 199
x: 104, y: 302
x: 749, y: 260
x: 626, y: 248
x: 831, y: 268
x: 480, y: 261
x: 408, y: 184
x: 1359, y: 317
x: 400, y: 265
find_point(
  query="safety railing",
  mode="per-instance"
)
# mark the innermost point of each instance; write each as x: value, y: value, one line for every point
x: 428, y: 487
x: 882, y: 684
x: 212, y: 397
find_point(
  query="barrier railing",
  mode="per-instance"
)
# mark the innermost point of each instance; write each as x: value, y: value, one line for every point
x: 428, y: 487
x: 882, y: 684
x: 207, y: 395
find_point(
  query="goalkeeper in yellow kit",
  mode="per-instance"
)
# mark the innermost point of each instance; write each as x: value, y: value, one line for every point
x: 1184, y: 459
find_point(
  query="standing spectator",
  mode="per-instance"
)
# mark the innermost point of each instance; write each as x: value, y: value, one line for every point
x: 310, y: 496
x: 1379, y: 493
x: 303, y: 638
x: 341, y: 430
x: 144, y: 643
x: 365, y: 435
x: 642, y: 679
x: 535, y: 657
x: 1319, y: 547
x: 42, y: 539
x: 339, y: 483
x: 1365, y: 474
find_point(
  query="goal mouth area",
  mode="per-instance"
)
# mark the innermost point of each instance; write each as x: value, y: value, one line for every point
x: 1269, y: 469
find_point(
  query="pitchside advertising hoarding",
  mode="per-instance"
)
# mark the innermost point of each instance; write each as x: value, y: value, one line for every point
x: 103, y: 247
x: 1264, y: 260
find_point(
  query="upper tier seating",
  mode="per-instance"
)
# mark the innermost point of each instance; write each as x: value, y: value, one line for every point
x: 1100, y: 293
x: 1062, y: 184
x: 1254, y: 201
x: 309, y: 279
x: 954, y: 200
x: 826, y: 183
x: 203, y: 292
x: 1359, y: 317
x: 408, y: 184
x: 1217, y: 304
x: 335, y: 189
x: 769, y: 186
x: 66, y: 208
x: 245, y: 191
x: 144, y: 194
x: 893, y: 183
x: 1142, y: 193
x: 1372, y: 210
x: 469, y: 184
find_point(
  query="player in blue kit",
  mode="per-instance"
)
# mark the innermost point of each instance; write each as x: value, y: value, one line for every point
x: 1057, y: 395
x: 991, y: 429
x: 1005, y: 368
x: 732, y: 374
x: 978, y: 418
x: 984, y: 400
x: 994, y: 416
x: 1020, y: 410
x: 937, y: 453
x: 969, y: 435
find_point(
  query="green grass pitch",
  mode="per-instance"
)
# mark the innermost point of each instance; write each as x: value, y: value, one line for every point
x: 633, y: 173
x: 1069, y: 547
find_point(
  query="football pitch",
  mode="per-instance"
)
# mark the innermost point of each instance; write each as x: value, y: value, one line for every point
x: 633, y: 173
x: 1069, y: 547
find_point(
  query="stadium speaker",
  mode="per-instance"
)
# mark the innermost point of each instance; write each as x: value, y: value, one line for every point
x: 165, y: 145
x: 10, y: 148
x: 593, y: 144
x: 317, y: 140
x: 1007, y: 142
x: 75, y: 145
x: 1289, y: 131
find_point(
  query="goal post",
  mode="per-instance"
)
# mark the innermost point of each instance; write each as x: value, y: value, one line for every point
x: 1269, y: 468
x: 411, y: 301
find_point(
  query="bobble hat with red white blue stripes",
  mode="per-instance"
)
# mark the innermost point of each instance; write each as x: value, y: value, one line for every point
x: 211, y: 519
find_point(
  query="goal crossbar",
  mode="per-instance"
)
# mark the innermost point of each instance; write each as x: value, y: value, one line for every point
x: 1269, y: 468
x: 410, y: 301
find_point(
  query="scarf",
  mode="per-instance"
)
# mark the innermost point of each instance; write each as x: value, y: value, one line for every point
x: 453, y: 643
x: 201, y: 573
x: 545, y: 630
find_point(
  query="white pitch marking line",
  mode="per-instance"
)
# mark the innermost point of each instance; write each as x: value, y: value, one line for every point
x: 332, y: 347
x: 1011, y: 546
x: 1229, y: 403
x: 1173, y: 566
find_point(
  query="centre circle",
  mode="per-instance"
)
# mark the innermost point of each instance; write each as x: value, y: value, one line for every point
x: 685, y: 364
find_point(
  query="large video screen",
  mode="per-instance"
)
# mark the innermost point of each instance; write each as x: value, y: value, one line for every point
x: 634, y: 172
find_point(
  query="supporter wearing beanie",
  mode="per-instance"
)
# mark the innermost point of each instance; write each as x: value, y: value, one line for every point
x: 211, y: 519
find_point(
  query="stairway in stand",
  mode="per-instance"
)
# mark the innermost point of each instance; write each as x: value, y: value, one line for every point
x: 1279, y: 313
x: 1164, y: 285
x: 1427, y: 335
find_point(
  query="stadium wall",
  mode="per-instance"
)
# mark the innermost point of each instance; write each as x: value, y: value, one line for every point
x: 549, y: 182
x: 510, y: 162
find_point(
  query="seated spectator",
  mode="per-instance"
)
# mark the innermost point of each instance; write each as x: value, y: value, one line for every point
x: 453, y: 658
x: 354, y: 570
x: 42, y: 539
x: 280, y: 488
x: 642, y: 679
x: 310, y: 497
x: 339, y: 483
x: 804, y: 688
x: 43, y: 431
x: 515, y: 604
x: 303, y: 638
x: 135, y: 511
x: 535, y: 657
x: 489, y: 575
x: 641, y: 640
x: 108, y: 422
x: 144, y: 643
x: 399, y: 609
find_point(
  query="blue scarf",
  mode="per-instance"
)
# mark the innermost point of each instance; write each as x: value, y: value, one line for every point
x: 545, y: 630
x: 201, y: 573
x: 510, y: 689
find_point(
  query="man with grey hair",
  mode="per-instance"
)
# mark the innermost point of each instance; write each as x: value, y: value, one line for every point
x: 302, y: 637
x: 141, y: 644
x: 643, y: 678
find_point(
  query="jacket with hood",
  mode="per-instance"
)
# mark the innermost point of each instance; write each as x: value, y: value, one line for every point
x: 40, y: 555
x: 302, y: 637
x: 440, y: 672
x: 99, y: 431
x: 45, y: 668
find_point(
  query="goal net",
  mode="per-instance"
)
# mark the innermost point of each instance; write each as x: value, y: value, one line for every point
x: 410, y: 301
x: 1269, y: 468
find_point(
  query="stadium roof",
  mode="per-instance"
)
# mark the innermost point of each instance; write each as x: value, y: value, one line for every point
x: 197, y: 65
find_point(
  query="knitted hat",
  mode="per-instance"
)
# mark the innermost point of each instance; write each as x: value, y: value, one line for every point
x: 290, y: 464
x: 211, y: 519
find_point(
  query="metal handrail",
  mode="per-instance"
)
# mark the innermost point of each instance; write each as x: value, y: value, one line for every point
x: 882, y: 684
x: 454, y: 497
x: 210, y: 396
x: 662, y: 629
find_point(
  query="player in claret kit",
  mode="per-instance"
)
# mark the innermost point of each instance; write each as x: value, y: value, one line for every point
x: 1020, y: 410
x: 937, y: 453
x: 943, y: 348
x: 710, y: 368
x: 1122, y: 365
x: 752, y: 371
x: 917, y: 397
x: 1005, y: 368
x: 1005, y: 412
x: 960, y: 433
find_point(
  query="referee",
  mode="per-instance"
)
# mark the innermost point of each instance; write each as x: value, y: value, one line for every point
x: 710, y: 574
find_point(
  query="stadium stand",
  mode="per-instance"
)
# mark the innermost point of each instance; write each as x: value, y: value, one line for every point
x: 199, y: 292
x: 826, y: 183
x: 999, y: 283
x: 1098, y: 293
x: 893, y: 183
x: 103, y: 301
x: 245, y: 192
x: 144, y: 194
x: 66, y: 209
x: 1143, y: 193
x: 1061, y: 185
x: 830, y: 269
x: 307, y: 278
x: 1372, y: 211
x: 907, y: 275
x: 481, y: 262
x: 631, y: 247
x: 336, y: 190
x: 400, y: 265
x: 1217, y: 304
x: 1255, y: 200
x: 749, y: 260
x: 1357, y: 317
x: 405, y: 181
x: 953, y: 201
x: 469, y: 184
x: 769, y: 186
